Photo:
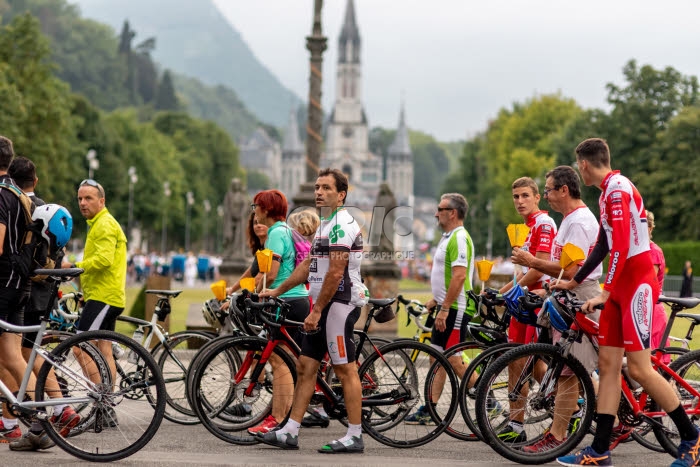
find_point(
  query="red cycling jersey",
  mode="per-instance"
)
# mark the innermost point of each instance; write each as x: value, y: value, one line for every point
x: 624, y: 220
x: 541, y: 235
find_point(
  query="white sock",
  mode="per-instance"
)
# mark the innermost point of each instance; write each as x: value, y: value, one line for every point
x: 9, y: 423
x: 291, y: 427
x: 353, y: 430
x: 516, y: 426
x: 58, y: 409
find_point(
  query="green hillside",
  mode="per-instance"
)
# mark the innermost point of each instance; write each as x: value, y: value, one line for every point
x: 194, y: 39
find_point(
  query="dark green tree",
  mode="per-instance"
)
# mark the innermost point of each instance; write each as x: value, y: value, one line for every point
x: 166, y: 98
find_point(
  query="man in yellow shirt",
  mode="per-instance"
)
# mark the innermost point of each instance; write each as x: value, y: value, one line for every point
x: 104, y: 262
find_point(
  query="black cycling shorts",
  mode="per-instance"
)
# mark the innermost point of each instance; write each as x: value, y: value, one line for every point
x: 443, y: 340
x: 335, y: 336
x: 98, y: 315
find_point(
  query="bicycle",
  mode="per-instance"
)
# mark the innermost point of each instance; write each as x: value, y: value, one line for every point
x: 83, y: 377
x: 390, y: 381
x: 173, y: 352
x: 483, y: 335
x: 636, y: 407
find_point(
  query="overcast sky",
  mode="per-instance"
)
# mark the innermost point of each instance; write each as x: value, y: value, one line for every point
x: 459, y: 61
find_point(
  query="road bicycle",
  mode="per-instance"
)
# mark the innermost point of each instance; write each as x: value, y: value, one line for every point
x: 76, y: 374
x: 636, y: 407
x: 172, y: 352
x: 232, y: 371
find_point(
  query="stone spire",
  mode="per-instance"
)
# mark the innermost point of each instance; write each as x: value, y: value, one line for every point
x: 349, y: 34
x: 292, y: 144
x: 401, y: 145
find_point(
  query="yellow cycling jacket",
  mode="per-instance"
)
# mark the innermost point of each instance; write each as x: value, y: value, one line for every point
x: 104, y: 261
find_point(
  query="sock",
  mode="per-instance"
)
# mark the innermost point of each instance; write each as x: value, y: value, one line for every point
x: 516, y: 426
x: 35, y: 428
x: 9, y: 423
x: 353, y: 430
x: 291, y: 427
x: 603, y: 431
x: 686, y: 428
x: 58, y: 409
x: 321, y: 411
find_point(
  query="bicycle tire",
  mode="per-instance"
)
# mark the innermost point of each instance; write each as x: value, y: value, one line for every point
x: 174, y: 359
x: 644, y: 434
x: 137, y: 422
x: 467, y: 394
x: 214, y: 377
x: 688, y: 367
x: 201, y: 353
x: 542, y: 410
x: 379, y: 376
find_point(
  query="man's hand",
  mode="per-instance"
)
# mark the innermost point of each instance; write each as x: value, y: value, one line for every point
x: 311, y: 321
x: 562, y: 284
x: 588, y: 307
x: 430, y: 304
x: 66, y: 265
x: 268, y: 293
x: 521, y: 257
x: 441, y: 320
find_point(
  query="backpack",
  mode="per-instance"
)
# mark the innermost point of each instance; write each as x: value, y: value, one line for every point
x: 302, y: 247
x: 34, y: 252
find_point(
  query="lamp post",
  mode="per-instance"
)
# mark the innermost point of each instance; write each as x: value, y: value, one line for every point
x: 93, y: 162
x: 219, y: 227
x: 133, y: 178
x: 164, y: 233
x: 489, y: 239
x: 190, y: 202
x: 207, y: 209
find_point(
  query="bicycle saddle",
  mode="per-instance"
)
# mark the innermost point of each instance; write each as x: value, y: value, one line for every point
x: 67, y: 272
x: 167, y: 293
x: 694, y: 318
x: 688, y: 302
x: 380, y: 302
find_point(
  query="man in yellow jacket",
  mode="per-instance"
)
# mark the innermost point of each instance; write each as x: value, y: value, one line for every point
x: 104, y: 262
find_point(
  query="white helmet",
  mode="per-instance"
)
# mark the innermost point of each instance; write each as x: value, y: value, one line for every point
x: 55, y: 224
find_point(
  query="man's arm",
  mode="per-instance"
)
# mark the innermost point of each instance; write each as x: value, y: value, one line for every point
x: 535, y: 273
x: 459, y: 275
x: 298, y: 276
x: 105, y: 247
x: 3, y: 229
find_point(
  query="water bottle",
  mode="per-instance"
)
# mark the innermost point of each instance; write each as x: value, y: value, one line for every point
x: 117, y: 351
x: 138, y: 337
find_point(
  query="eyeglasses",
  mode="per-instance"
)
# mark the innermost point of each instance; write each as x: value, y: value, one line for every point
x: 445, y: 209
x: 253, y: 206
x: 546, y: 191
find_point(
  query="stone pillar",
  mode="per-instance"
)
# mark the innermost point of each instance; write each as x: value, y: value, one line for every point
x: 382, y: 280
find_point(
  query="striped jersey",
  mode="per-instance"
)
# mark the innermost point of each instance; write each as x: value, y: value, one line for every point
x: 454, y: 249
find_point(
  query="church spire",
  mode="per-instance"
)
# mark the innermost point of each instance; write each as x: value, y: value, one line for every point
x: 292, y: 143
x: 350, y: 34
x: 401, y: 145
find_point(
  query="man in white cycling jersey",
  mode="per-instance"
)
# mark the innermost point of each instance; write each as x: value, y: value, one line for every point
x: 333, y: 272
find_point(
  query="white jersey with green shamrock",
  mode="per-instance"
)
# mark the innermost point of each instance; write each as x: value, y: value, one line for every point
x: 338, y: 233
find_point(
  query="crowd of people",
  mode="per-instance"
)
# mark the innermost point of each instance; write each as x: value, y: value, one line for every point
x: 325, y: 291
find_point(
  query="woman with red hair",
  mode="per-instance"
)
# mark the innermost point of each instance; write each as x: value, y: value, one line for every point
x: 270, y: 208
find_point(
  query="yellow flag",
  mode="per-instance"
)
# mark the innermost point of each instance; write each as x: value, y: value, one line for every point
x: 248, y: 283
x: 571, y: 254
x: 219, y: 289
x: 264, y: 259
x: 483, y: 268
x: 517, y: 233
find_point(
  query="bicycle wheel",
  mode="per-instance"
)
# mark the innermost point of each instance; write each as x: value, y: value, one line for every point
x: 644, y: 434
x: 461, y: 355
x: 470, y: 381
x: 538, y: 401
x: 174, y: 359
x: 688, y: 367
x: 86, y: 410
x: 228, y: 399
x: 123, y: 403
x: 201, y: 353
x: 396, y: 381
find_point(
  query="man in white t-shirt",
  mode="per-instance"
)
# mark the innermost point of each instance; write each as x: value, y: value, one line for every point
x: 333, y: 272
x: 579, y: 227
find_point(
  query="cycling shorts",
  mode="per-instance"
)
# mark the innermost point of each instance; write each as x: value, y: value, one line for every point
x: 12, y: 304
x: 626, y: 320
x: 335, y: 336
x: 98, y: 315
x: 298, y: 311
x: 442, y: 340
x: 521, y: 333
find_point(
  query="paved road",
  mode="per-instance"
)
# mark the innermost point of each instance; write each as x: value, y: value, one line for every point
x: 177, y: 445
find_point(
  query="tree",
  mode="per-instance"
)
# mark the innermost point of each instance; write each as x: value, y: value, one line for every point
x: 257, y: 181
x: 166, y: 98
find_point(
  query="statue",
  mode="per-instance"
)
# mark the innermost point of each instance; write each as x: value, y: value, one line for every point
x: 236, y: 208
x: 387, y: 201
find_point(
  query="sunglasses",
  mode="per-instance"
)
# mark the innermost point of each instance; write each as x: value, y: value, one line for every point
x: 253, y: 206
x: 445, y: 209
x: 93, y: 183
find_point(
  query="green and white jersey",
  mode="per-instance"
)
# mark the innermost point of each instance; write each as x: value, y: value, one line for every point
x: 455, y: 249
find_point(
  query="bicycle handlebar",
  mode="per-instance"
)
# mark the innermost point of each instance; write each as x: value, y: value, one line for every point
x: 416, y: 309
x: 273, y: 301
